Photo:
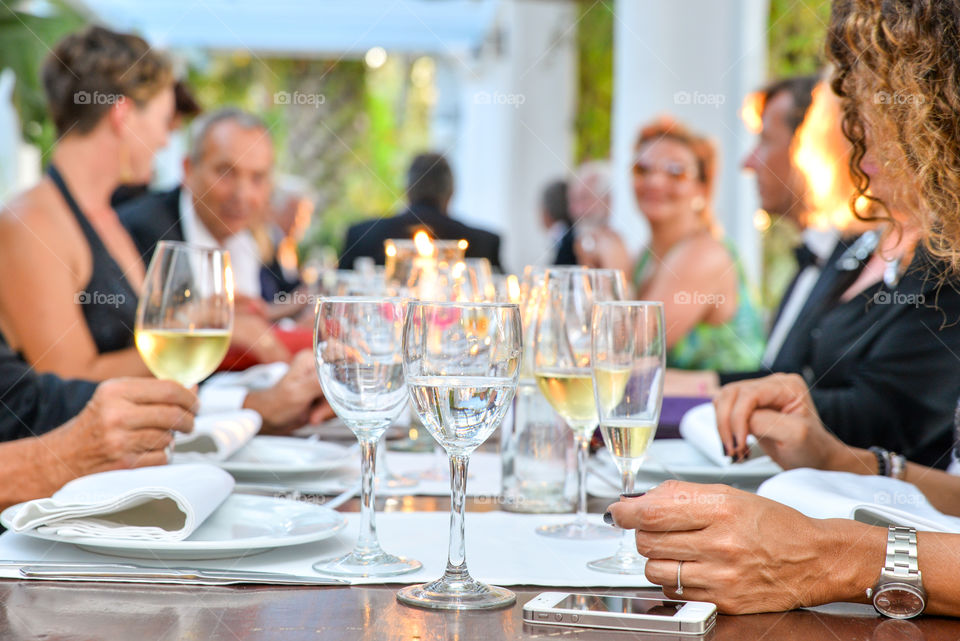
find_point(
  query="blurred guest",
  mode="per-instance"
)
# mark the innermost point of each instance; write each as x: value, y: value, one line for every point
x: 288, y: 217
x: 555, y: 215
x: 688, y: 265
x: 429, y: 190
x: 596, y: 244
x: 71, y: 307
x: 185, y: 107
x: 782, y: 189
x: 227, y: 181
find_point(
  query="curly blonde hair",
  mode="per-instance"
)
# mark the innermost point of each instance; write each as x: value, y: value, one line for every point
x: 898, y: 76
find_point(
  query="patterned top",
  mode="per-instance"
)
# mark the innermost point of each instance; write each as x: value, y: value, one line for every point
x: 736, y: 345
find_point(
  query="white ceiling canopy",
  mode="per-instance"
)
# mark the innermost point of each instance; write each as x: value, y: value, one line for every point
x: 302, y: 28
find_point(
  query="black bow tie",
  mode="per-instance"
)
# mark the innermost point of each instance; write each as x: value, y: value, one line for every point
x: 805, y: 257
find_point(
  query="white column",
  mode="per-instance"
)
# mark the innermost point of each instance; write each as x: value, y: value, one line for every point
x: 517, y: 102
x: 695, y: 60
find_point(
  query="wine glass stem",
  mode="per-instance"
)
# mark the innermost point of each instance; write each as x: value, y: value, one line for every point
x: 628, y: 541
x: 457, y: 554
x: 367, y: 542
x: 583, y: 454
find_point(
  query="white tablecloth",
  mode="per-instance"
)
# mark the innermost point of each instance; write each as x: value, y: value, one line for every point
x: 502, y: 548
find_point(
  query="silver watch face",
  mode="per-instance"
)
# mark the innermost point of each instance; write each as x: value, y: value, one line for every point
x: 899, y: 601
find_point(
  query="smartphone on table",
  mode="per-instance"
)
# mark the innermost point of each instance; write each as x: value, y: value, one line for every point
x: 620, y: 612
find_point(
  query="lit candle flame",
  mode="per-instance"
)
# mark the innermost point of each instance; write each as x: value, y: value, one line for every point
x: 424, y: 245
x: 513, y: 288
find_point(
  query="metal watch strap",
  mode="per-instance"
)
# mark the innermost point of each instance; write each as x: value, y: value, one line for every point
x: 901, y: 559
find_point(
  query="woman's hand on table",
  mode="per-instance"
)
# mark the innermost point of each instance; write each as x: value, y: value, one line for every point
x: 126, y: 424
x: 296, y: 400
x: 746, y: 553
x: 780, y: 413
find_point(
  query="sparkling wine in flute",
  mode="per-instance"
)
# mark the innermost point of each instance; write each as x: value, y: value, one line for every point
x: 184, y: 355
x: 460, y: 412
x: 611, y: 386
x: 570, y: 392
x: 627, y: 439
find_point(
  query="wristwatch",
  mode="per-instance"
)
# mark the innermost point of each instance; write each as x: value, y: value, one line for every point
x: 899, y: 592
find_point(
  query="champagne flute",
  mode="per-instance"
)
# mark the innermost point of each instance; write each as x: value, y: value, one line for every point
x: 357, y: 343
x: 628, y: 362
x: 561, y: 356
x: 462, y: 362
x: 185, y: 315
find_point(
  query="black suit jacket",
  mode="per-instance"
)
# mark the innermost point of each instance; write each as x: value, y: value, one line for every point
x: 366, y: 238
x: 796, y: 344
x: 31, y: 403
x: 152, y: 218
x: 882, y: 367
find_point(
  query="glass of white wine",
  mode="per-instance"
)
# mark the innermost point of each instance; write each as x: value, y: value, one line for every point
x: 185, y: 315
x: 628, y: 361
x: 461, y: 362
x: 357, y: 343
x: 561, y: 366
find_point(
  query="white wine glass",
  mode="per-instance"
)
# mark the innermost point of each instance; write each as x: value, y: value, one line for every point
x: 185, y: 314
x: 628, y: 362
x: 561, y: 366
x: 357, y: 343
x: 462, y: 362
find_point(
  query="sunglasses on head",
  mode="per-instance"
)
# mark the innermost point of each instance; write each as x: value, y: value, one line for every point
x: 674, y: 170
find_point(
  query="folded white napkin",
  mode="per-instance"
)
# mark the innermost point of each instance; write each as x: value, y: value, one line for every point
x: 226, y: 391
x: 216, y: 437
x: 877, y: 500
x: 698, y: 427
x: 161, y: 503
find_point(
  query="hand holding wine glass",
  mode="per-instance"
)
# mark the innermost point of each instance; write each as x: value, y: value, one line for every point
x: 185, y: 315
x: 628, y: 361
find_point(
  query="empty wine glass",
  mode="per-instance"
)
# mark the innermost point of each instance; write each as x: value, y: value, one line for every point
x: 357, y: 343
x: 561, y: 364
x: 461, y: 362
x: 628, y: 358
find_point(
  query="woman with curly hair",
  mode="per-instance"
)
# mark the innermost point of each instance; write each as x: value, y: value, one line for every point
x: 898, y: 77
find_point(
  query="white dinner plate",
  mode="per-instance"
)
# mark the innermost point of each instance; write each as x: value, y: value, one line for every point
x: 674, y: 458
x: 243, y: 525
x: 277, y: 456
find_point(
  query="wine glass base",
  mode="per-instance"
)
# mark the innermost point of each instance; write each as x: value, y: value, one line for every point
x: 577, y: 531
x: 460, y: 595
x: 364, y: 565
x: 619, y: 564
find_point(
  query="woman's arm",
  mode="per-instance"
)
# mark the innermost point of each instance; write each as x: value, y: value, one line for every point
x: 697, y: 282
x: 779, y: 411
x: 38, y: 300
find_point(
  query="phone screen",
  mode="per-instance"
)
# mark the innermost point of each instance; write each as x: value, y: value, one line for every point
x: 622, y: 604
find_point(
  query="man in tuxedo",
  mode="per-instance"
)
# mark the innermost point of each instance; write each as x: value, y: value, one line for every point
x: 820, y: 271
x: 429, y: 190
x: 227, y: 181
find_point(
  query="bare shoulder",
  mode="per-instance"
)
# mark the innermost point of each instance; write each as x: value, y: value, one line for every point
x: 703, y: 253
x: 37, y: 224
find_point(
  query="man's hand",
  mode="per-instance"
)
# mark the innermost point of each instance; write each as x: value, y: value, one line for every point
x: 296, y: 400
x: 126, y: 424
x: 254, y: 335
